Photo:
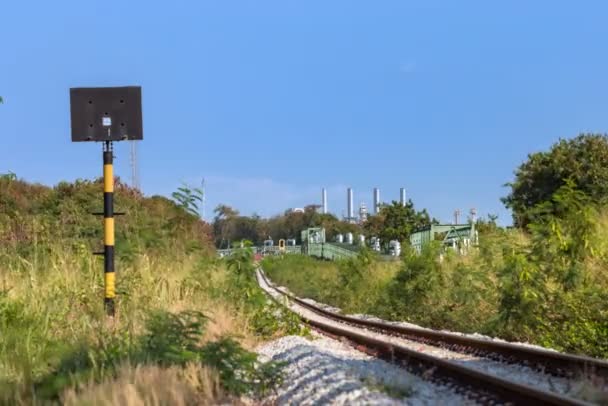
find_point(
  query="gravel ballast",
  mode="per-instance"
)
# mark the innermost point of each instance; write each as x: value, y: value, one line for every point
x: 324, y: 371
x: 514, y: 372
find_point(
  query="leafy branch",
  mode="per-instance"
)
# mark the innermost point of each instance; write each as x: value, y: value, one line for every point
x: 188, y: 198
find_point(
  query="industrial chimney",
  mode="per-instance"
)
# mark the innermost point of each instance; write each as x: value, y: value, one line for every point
x: 403, y: 196
x: 376, y: 200
x: 350, y: 209
x: 324, y: 200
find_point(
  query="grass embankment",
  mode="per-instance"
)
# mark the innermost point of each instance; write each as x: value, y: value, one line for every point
x: 184, y: 322
x: 548, y: 286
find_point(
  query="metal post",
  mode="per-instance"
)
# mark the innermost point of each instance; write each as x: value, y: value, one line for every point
x: 108, y: 228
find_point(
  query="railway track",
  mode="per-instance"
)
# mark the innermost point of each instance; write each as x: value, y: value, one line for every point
x: 477, y: 385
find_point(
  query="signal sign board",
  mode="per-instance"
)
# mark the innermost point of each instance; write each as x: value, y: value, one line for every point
x: 106, y: 113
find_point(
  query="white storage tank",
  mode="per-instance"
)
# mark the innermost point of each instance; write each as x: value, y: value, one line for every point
x: 340, y: 238
x: 375, y: 243
x: 395, y: 248
x: 361, y: 239
x: 349, y: 238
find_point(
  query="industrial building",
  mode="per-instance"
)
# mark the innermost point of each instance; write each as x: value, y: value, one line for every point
x: 456, y: 236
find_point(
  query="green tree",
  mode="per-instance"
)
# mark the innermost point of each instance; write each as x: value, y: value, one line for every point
x: 583, y: 159
x: 223, y: 225
x: 397, y: 222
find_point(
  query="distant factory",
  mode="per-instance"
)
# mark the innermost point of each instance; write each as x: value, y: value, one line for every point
x: 363, y: 213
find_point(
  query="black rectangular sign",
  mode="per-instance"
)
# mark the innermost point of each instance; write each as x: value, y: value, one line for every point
x: 106, y: 113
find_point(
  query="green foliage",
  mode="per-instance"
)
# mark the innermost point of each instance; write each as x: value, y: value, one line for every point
x: 545, y: 283
x: 173, y: 338
x: 548, y: 287
x: 37, y: 216
x: 188, y: 198
x: 230, y: 226
x: 418, y: 280
x: 487, y: 226
x: 397, y: 222
x: 169, y: 339
x: 394, y: 222
x: 308, y: 277
x: 352, y: 274
x: 564, y: 235
x: 240, y: 371
x: 267, y: 317
x: 522, y: 290
x: 332, y: 282
x: 583, y: 159
x: 54, y: 332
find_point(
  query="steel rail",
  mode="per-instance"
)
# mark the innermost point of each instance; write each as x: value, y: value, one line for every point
x: 503, y: 389
x: 551, y: 361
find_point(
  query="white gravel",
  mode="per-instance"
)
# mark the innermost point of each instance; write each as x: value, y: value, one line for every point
x: 323, y: 371
x: 515, y: 372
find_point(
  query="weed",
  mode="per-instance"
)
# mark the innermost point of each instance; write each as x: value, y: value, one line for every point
x: 175, y: 303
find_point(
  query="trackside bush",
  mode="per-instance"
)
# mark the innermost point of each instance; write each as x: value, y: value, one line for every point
x: 547, y: 285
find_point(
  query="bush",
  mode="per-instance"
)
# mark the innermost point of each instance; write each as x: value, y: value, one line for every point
x: 168, y: 340
x: 173, y: 309
x: 547, y: 286
x: 268, y: 318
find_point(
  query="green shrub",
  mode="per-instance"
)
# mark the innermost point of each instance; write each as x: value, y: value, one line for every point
x: 267, y: 317
x: 169, y: 339
x: 547, y: 286
x: 55, y: 336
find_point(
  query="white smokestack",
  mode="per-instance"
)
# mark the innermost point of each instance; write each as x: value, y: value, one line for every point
x: 350, y: 209
x: 403, y: 196
x: 376, y: 200
x: 324, y: 200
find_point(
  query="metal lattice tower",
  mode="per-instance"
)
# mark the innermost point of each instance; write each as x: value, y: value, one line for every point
x: 204, y: 197
x: 134, y: 167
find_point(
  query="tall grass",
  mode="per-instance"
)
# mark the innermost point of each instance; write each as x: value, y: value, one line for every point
x: 175, y: 311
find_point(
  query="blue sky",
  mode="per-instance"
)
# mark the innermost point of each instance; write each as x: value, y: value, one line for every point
x: 272, y: 100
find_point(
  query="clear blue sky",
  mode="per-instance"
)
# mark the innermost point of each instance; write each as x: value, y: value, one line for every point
x: 271, y: 100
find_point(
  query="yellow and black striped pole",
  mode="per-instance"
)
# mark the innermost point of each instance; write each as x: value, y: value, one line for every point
x: 108, y: 228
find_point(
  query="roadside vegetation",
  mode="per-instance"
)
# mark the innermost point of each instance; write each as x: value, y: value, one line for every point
x: 186, y: 322
x: 544, y: 282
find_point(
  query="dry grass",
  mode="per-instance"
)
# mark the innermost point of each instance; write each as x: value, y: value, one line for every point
x: 151, y: 386
x: 55, y: 339
x: 59, y: 300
